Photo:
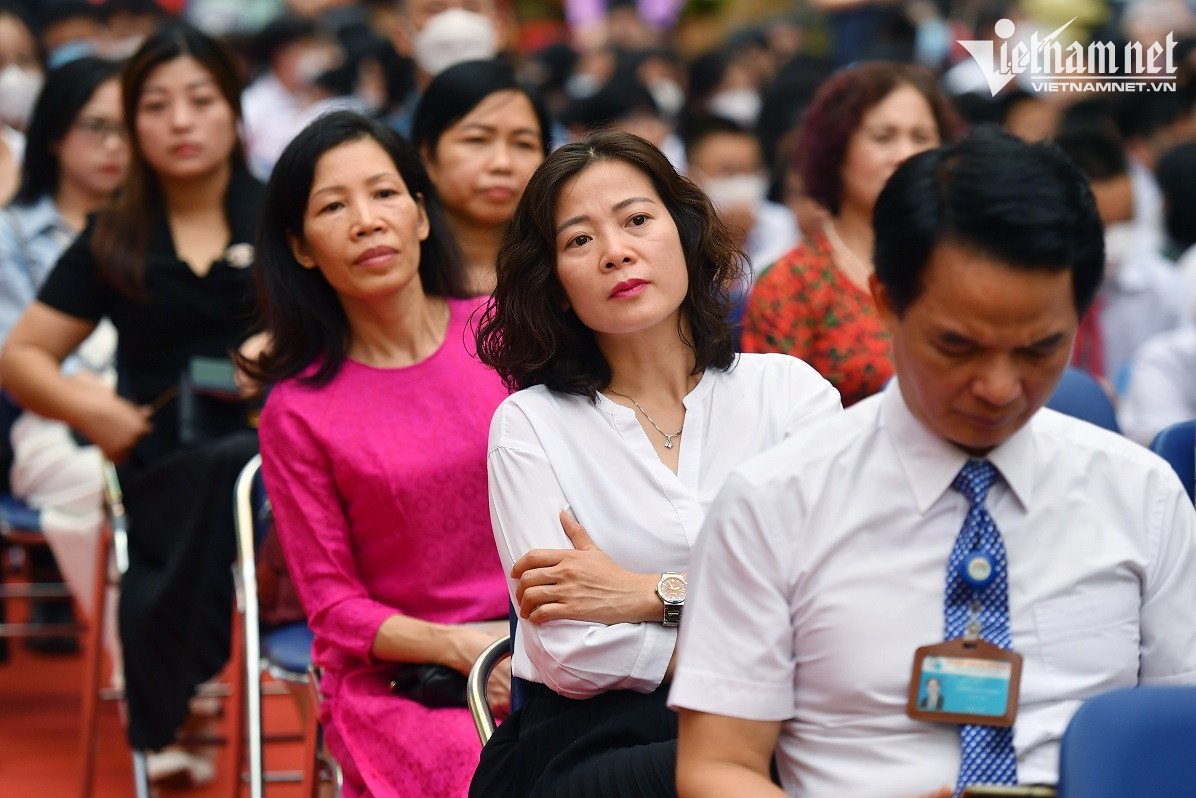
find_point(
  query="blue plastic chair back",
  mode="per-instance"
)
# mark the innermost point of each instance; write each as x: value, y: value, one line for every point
x: 285, y: 647
x: 15, y: 515
x: 1177, y: 445
x: 1079, y: 395
x: 288, y: 648
x: 1130, y: 742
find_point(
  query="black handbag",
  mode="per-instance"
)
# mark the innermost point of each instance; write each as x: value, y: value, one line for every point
x: 209, y: 405
x: 434, y: 686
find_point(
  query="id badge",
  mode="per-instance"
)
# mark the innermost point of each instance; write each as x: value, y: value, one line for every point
x: 964, y: 681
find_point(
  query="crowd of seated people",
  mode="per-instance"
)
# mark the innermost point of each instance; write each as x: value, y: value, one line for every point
x: 569, y: 311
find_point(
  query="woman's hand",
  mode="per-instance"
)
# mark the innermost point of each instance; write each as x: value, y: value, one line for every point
x: 470, y: 640
x: 467, y: 645
x: 251, y: 349
x: 582, y: 584
x: 115, y: 424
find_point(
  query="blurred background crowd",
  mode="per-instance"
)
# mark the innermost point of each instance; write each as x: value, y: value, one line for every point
x: 721, y: 88
x: 664, y: 69
x: 789, y: 114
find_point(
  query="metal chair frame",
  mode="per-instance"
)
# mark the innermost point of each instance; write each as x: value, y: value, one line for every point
x: 111, y: 539
x: 89, y: 633
x: 475, y: 686
x: 118, y: 522
x: 318, y: 764
x: 249, y: 675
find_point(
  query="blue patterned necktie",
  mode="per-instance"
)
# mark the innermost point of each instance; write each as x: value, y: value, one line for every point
x: 986, y: 752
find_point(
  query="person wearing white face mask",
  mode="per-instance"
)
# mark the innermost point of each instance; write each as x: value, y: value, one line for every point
x: 19, y: 87
x: 293, y: 54
x: 725, y: 161
x: 1141, y: 295
x: 723, y: 86
x: 20, y: 83
x: 437, y: 34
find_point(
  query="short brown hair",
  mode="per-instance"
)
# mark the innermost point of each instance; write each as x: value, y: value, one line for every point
x: 528, y: 336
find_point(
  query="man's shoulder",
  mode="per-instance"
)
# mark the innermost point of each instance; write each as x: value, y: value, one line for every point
x: 1094, y: 452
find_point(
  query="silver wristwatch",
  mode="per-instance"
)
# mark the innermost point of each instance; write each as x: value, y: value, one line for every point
x: 671, y: 589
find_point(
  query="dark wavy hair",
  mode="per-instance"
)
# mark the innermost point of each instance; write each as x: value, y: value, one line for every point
x: 67, y: 89
x: 1026, y: 206
x: 122, y: 234
x: 298, y: 307
x: 837, y: 110
x: 527, y: 336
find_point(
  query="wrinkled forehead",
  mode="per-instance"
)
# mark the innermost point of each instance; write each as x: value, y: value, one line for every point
x: 601, y: 187
x: 992, y: 301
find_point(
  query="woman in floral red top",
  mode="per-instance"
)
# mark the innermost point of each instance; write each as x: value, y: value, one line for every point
x: 814, y: 303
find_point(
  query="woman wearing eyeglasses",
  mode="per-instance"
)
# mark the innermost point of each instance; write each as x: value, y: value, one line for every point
x: 76, y: 156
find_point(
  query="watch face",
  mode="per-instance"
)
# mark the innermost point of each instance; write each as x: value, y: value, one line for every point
x: 672, y: 588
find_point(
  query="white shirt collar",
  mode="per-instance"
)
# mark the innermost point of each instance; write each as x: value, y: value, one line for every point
x: 931, y: 463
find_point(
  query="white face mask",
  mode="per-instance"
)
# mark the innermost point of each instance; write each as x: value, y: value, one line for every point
x: 580, y: 85
x: 1120, y: 241
x: 669, y: 97
x: 932, y: 43
x: 120, y: 49
x: 741, y: 106
x: 452, y: 37
x: 737, y: 191
x: 312, y: 63
x: 19, y: 88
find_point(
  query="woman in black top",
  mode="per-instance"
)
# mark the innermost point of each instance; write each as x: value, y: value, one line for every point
x: 170, y: 265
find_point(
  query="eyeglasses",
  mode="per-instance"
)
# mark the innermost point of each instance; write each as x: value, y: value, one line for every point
x: 100, y: 129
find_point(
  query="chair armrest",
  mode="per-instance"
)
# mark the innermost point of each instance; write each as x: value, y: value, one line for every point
x: 475, y: 687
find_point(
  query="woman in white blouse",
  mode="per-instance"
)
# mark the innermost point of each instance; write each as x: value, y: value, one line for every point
x: 610, y: 316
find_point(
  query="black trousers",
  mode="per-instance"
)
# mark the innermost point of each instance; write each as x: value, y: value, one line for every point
x: 177, y: 596
x: 618, y: 743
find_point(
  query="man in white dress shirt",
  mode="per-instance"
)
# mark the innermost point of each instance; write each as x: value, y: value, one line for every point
x: 823, y: 563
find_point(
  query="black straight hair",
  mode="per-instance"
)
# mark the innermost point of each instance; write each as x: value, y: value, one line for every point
x: 1097, y: 149
x: 1023, y: 205
x: 66, y: 90
x: 1176, y: 173
x: 458, y: 90
x: 298, y: 307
